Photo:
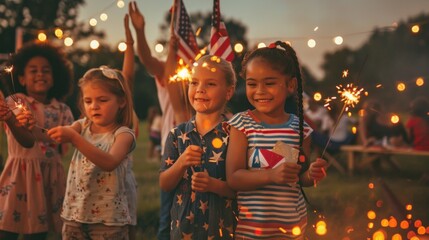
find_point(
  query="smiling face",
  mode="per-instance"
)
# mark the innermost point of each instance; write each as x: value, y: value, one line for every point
x: 37, y: 78
x: 208, y: 91
x: 267, y: 88
x: 101, y: 106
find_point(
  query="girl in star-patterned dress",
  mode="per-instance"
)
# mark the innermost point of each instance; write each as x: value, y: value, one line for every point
x: 193, y: 165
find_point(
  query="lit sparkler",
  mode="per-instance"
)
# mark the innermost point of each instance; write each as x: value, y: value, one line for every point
x: 10, y: 71
x: 350, y: 96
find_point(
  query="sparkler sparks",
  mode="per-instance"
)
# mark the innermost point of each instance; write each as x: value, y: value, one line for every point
x: 350, y: 96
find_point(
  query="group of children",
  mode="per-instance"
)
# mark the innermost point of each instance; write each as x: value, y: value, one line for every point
x: 232, y: 178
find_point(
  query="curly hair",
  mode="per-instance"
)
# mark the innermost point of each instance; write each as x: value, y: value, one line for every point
x: 62, y: 69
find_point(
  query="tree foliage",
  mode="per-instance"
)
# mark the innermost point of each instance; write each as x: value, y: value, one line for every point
x: 391, y: 55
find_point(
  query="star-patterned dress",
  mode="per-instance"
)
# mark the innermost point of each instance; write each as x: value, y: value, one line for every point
x: 92, y: 194
x: 32, y: 183
x: 196, y: 215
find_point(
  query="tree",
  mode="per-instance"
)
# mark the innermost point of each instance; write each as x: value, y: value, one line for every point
x: 391, y: 55
x: 33, y: 16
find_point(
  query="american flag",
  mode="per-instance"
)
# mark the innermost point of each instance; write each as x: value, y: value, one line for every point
x: 188, y: 47
x: 220, y: 44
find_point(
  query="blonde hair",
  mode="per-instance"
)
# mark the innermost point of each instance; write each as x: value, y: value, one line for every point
x: 224, y: 66
x: 114, y: 82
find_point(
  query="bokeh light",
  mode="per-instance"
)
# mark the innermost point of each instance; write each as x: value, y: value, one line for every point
x: 94, y: 44
x: 103, y: 17
x: 401, y: 87
x: 58, y: 33
x: 371, y: 214
x: 338, y: 40
x: 120, y: 4
x: 93, y: 22
x: 394, y: 118
x: 420, y: 81
x: 311, y: 43
x: 42, y: 37
x: 122, y: 46
x: 68, y: 41
x: 261, y: 45
x: 159, y: 48
x: 317, y: 96
x: 415, y: 28
x: 238, y: 48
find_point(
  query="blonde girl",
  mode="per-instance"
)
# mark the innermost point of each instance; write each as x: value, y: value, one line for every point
x: 96, y: 204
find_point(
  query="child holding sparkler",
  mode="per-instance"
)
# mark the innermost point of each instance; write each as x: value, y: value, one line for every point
x: 96, y: 200
x: 266, y: 162
x: 33, y: 179
x: 193, y: 165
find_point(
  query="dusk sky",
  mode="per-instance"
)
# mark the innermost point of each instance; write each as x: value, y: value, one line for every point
x: 270, y: 20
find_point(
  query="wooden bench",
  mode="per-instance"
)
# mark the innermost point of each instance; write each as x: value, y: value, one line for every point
x: 373, y: 152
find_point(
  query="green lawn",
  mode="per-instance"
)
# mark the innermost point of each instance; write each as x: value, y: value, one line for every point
x: 341, y: 201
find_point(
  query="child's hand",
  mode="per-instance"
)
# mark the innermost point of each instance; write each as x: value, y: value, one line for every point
x: 136, y: 17
x: 286, y: 173
x: 200, y: 181
x: 61, y: 134
x: 25, y: 119
x: 317, y: 170
x: 191, y: 156
x: 5, y: 112
x: 128, y: 36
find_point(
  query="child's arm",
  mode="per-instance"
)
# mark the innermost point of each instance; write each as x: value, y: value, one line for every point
x: 178, y: 99
x: 240, y: 178
x: 153, y: 65
x: 202, y: 182
x: 19, y: 125
x: 169, y: 178
x: 128, y: 64
x: 107, y: 161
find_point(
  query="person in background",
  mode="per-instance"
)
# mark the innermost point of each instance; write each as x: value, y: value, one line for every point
x: 154, y: 129
x: 170, y: 99
x: 96, y: 200
x: 128, y: 73
x: 418, y: 124
x: 33, y: 177
x: 262, y: 139
x: 193, y: 165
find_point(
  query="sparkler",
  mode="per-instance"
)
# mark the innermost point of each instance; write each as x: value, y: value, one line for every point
x: 350, y: 96
x: 10, y: 71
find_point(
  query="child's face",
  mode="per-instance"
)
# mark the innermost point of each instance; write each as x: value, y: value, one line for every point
x: 208, y: 91
x: 101, y: 106
x: 37, y: 78
x: 267, y: 88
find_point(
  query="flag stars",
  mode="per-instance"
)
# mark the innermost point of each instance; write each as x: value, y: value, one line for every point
x: 203, y: 206
x: 169, y: 161
x: 190, y: 217
x: 179, y: 199
x: 216, y: 157
x: 184, y: 137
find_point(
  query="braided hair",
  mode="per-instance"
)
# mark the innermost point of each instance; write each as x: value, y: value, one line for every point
x: 282, y: 58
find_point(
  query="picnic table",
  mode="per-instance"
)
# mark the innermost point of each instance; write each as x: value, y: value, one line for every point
x: 370, y: 153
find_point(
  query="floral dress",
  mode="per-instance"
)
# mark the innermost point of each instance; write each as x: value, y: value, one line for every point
x: 32, y: 183
x: 94, y: 195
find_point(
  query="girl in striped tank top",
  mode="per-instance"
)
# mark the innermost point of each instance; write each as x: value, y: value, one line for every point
x: 266, y: 161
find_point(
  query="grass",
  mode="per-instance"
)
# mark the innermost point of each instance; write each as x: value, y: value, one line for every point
x: 341, y: 201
